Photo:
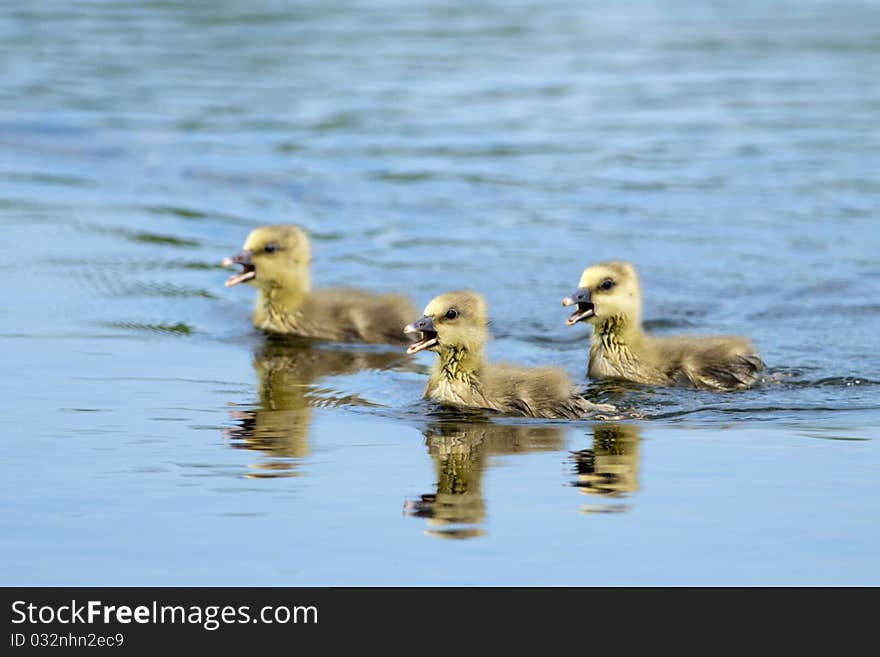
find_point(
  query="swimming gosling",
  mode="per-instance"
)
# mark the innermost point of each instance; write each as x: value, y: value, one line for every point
x: 608, y: 296
x: 454, y: 326
x: 275, y: 260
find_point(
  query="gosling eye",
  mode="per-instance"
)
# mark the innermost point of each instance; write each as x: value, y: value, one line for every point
x: 452, y: 313
x: 607, y: 284
x: 271, y: 247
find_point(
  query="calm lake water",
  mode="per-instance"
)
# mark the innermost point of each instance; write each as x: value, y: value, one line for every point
x: 730, y: 150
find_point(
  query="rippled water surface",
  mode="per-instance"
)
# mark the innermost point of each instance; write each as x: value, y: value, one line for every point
x: 730, y: 150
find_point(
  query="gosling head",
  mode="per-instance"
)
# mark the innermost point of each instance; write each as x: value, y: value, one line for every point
x: 455, y: 320
x: 272, y: 256
x: 606, y: 290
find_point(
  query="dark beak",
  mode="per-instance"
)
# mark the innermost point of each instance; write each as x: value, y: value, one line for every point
x: 240, y: 258
x: 427, y: 335
x: 248, y: 272
x: 585, y: 307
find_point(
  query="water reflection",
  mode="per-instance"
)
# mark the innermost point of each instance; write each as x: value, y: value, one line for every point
x: 610, y: 468
x: 288, y: 371
x: 460, y: 451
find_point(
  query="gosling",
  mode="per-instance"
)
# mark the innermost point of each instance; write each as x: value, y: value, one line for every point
x: 454, y: 326
x: 608, y: 296
x: 275, y: 260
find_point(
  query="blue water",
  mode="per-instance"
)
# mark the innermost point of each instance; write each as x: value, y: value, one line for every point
x: 729, y: 150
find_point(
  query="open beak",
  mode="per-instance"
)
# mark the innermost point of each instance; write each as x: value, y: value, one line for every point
x: 427, y: 335
x: 585, y: 308
x: 248, y: 271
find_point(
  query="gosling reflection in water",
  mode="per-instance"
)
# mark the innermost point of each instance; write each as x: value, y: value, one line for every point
x: 610, y: 468
x: 460, y: 451
x: 288, y: 371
